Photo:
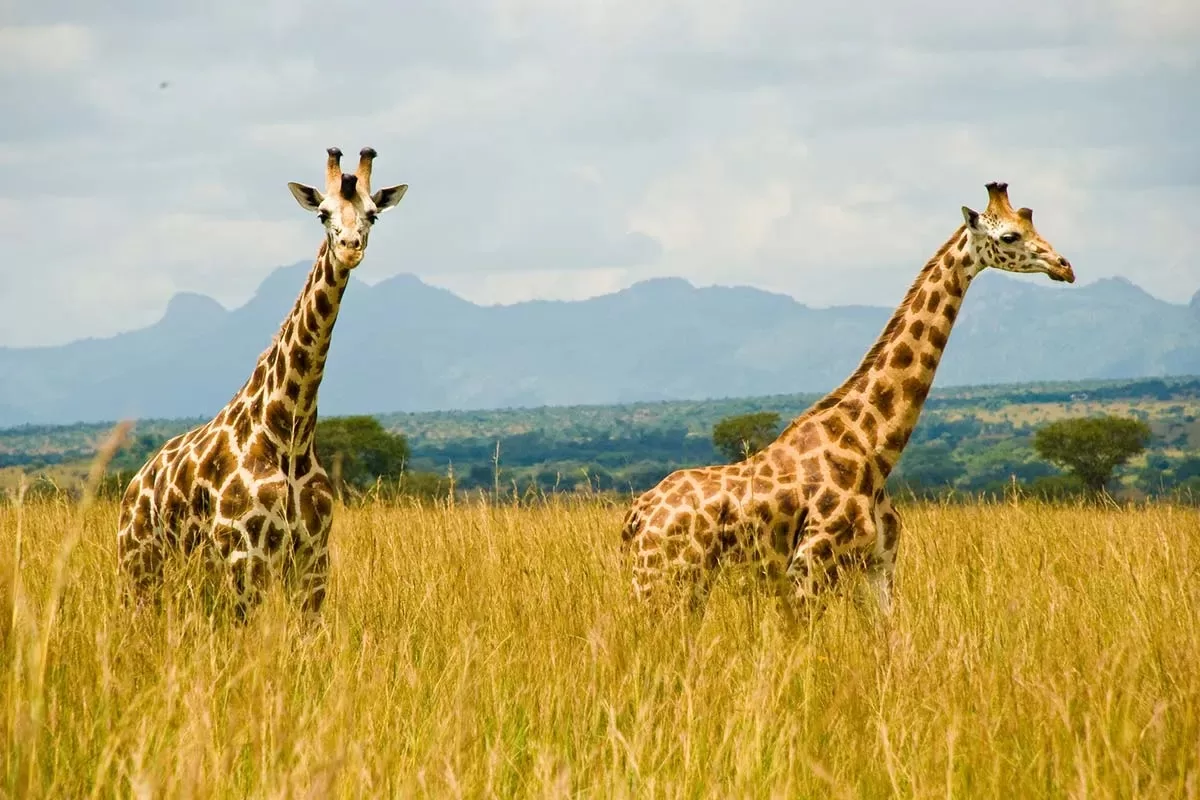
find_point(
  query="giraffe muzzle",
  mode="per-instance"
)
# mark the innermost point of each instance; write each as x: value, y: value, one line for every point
x: 1061, y: 271
x: 349, y: 254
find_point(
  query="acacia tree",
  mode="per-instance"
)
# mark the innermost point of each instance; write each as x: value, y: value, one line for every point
x: 1092, y: 447
x: 362, y: 449
x: 744, y: 435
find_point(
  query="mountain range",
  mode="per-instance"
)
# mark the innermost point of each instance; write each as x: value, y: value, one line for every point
x: 403, y: 345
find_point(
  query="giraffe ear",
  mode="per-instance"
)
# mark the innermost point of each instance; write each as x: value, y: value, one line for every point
x: 308, y: 197
x: 971, y: 218
x: 386, y: 198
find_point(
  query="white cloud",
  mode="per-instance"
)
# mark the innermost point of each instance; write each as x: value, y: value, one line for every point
x: 122, y: 265
x: 565, y: 149
x: 45, y: 48
x: 723, y: 201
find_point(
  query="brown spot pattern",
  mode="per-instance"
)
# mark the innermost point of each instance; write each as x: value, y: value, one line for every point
x: 820, y: 482
x: 902, y: 356
x: 915, y: 390
x: 883, y: 397
x: 842, y: 470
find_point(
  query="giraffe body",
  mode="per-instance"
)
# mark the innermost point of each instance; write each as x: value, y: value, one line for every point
x: 814, y: 501
x: 245, y: 490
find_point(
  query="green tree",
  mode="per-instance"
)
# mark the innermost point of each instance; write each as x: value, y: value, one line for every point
x: 1092, y: 447
x: 929, y: 466
x: 743, y: 435
x: 359, y: 450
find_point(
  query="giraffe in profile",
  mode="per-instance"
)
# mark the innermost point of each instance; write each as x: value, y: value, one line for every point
x: 814, y: 502
x: 245, y: 489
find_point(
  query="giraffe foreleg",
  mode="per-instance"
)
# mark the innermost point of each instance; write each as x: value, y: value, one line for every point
x: 245, y: 565
x: 826, y: 544
x: 248, y: 573
x: 309, y: 567
x: 311, y: 579
x: 882, y: 563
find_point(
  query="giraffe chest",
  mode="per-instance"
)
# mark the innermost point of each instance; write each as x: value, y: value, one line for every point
x: 244, y: 511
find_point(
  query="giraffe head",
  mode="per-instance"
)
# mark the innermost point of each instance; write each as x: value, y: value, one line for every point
x: 347, y: 208
x: 1004, y: 238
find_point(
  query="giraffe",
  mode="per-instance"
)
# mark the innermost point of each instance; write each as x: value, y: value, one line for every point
x: 244, y: 490
x: 814, y: 502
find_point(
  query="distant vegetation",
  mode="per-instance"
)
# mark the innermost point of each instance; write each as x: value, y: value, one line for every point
x: 1092, y: 448
x: 743, y: 435
x: 970, y: 441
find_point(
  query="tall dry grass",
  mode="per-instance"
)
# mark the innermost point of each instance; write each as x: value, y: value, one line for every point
x: 1034, y: 651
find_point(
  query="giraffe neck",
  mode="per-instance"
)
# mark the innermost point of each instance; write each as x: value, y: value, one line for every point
x: 281, y: 395
x: 895, y: 376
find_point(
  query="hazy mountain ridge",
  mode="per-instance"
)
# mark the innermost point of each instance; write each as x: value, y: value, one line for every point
x: 402, y: 345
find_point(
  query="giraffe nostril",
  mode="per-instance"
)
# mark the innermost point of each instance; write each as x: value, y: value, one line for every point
x: 1062, y: 262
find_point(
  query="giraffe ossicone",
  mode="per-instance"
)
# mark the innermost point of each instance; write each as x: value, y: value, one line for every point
x: 245, y: 489
x: 814, y: 501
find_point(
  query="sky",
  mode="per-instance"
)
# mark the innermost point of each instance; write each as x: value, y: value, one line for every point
x: 561, y: 150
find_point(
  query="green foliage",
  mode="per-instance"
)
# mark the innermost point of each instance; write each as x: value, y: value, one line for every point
x: 926, y: 467
x: 1092, y: 447
x: 744, y: 435
x: 357, y: 451
x: 981, y: 439
x: 1056, y: 487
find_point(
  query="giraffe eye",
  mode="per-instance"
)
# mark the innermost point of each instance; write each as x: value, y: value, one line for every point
x: 371, y: 217
x: 1012, y: 237
x: 323, y: 216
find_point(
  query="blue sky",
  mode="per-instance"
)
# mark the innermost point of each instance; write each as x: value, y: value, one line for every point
x: 562, y: 150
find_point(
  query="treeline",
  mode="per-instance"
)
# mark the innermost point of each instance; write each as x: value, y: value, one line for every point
x: 967, y: 456
x: 1158, y: 389
x: 970, y: 440
x: 595, y: 459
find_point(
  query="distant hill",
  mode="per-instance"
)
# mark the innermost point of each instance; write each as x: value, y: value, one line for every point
x: 402, y: 345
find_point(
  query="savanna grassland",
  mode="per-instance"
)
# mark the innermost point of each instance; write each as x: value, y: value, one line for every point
x: 1035, y: 651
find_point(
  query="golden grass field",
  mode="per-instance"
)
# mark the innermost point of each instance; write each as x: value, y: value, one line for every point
x: 495, y: 651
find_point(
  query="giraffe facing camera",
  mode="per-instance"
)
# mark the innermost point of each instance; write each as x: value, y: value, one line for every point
x: 347, y: 208
x: 245, y: 488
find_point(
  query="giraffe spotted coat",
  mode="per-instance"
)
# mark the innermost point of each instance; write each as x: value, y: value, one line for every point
x: 814, y: 501
x: 245, y: 490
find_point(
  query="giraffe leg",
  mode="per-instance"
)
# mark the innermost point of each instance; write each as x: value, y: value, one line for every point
x: 308, y: 569
x: 141, y: 563
x: 312, y: 579
x: 141, y: 551
x: 670, y: 573
x: 807, y: 577
x: 248, y: 581
x: 671, y: 585
x: 825, y: 544
x: 882, y: 563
